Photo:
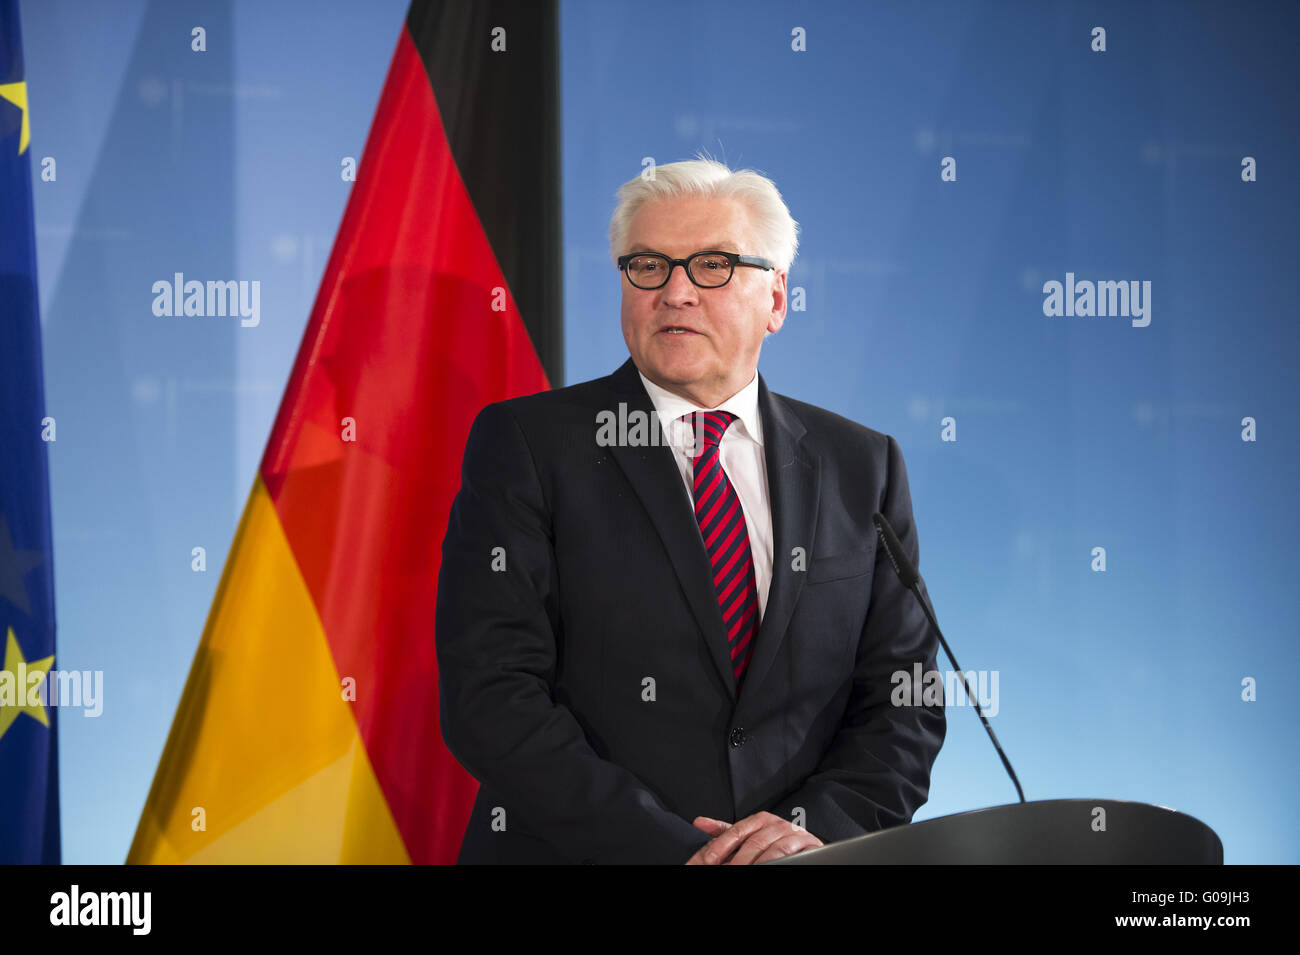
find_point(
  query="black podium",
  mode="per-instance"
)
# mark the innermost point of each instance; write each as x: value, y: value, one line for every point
x: 1051, y: 831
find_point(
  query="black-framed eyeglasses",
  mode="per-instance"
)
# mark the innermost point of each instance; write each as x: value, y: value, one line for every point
x: 712, y: 269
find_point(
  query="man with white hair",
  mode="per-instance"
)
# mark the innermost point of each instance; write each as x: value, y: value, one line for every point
x: 664, y: 631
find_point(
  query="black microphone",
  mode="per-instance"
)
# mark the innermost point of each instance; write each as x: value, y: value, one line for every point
x: 908, y: 574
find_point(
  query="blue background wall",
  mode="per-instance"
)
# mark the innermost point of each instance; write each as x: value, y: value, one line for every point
x: 924, y: 301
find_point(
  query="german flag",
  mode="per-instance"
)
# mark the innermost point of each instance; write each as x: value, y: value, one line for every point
x: 308, y: 729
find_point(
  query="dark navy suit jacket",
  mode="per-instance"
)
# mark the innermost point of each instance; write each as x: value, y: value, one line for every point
x: 601, y: 583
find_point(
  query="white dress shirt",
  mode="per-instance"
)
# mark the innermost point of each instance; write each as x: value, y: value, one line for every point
x: 741, y: 453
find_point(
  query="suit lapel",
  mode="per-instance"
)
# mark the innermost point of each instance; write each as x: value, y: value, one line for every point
x: 653, y: 474
x: 792, y: 489
x: 792, y: 484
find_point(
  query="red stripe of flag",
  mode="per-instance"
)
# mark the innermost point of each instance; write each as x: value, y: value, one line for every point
x: 404, y: 342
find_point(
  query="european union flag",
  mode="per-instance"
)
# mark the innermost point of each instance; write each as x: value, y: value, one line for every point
x: 29, y: 752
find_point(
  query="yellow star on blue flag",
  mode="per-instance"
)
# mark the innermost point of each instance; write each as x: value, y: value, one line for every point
x: 18, y: 689
x: 16, y: 93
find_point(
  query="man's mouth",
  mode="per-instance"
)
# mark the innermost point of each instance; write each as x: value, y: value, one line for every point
x: 677, y: 330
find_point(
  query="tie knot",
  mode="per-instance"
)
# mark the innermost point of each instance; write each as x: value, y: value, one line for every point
x: 709, y: 426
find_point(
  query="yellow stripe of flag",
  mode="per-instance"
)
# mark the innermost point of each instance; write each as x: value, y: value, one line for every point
x: 264, y: 751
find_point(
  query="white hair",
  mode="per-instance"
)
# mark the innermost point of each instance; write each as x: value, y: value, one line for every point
x: 776, y: 233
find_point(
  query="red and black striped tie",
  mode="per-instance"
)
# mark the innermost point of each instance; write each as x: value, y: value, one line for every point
x: 726, y: 539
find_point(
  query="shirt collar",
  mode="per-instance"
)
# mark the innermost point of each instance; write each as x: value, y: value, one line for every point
x: 743, y: 404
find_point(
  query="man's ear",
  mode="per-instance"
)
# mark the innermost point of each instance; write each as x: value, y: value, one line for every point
x: 777, y: 316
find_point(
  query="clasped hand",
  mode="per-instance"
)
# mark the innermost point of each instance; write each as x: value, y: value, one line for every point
x: 757, y: 838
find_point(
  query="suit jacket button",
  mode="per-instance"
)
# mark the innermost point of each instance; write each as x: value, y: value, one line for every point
x: 738, y: 737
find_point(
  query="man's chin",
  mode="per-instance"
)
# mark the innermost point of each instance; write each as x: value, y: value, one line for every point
x: 678, y: 367
x: 674, y: 375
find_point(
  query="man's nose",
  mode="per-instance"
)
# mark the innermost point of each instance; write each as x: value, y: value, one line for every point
x: 679, y: 289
